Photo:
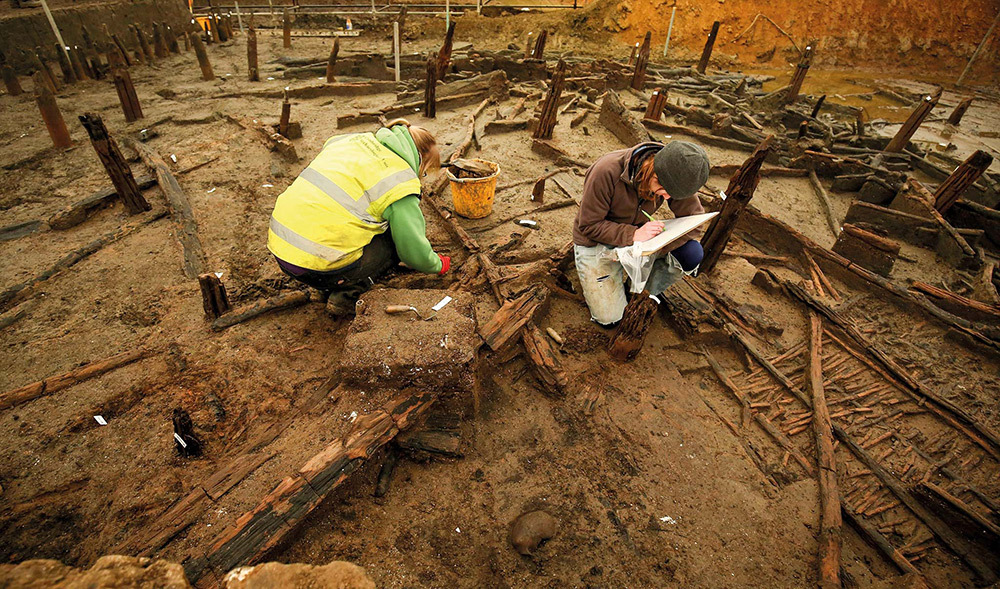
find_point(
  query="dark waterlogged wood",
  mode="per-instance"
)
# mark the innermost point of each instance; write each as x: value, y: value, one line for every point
x: 742, y: 186
x: 238, y: 315
x: 511, y: 316
x: 213, y: 296
x: 199, y: 51
x: 799, y: 76
x: 706, y: 54
x: 253, y: 71
x: 57, y: 383
x: 180, y: 210
x: 548, y: 115
x: 283, y: 509
x: 62, y: 55
x: 430, y: 87
x: 114, y: 164
x: 622, y: 123
x: 286, y: 30
x: 626, y: 342
x: 127, y: 96
x: 964, y: 176
x: 444, y: 54
x: 331, y: 62
x: 50, y: 113
x: 657, y: 102
x: 641, y: 61
x: 916, y: 118
x: 538, y: 51
x: 10, y: 80
x: 956, y: 115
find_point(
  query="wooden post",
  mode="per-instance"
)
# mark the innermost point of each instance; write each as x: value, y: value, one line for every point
x: 707, y: 53
x: 817, y: 106
x: 444, y: 54
x: 539, y: 50
x: 547, y: 118
x: 220, y: 27
x: 430, y: 89
x: 10, y: 80
x: 43, y: 67
x: 286, y: 30
x: 331, y: 62
x: 144, y: 43
x: 75, y: 59
x: 199, y: 51
x: 799, y: 75
x: 639, y: 75
x: 830, y: 521
x: 911, y: 125
x: 253, y: 72
x: 127, y: 96
x: 538, y: 191
x: 50, y: 113
x: 69, y: 76
x: 657, y: 102
x: 956, y: 115
x: 741, y: 188
x: 628, y: 338
x: 286, y: 115
x: 171, y: 38
x: 962, y: 178
x: 122, y: 50
x: 528, y: 46
x: 159, y: 45
x: 213, y: 296
x: 140, y: 55
x: 114, y: 163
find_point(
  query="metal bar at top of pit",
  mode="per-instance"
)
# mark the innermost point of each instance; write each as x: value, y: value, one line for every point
x: 388, y: 7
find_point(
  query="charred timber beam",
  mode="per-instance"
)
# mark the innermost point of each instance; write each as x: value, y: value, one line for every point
x: 961, y: 179
x: 916, y: 118
x: 641, y: 61
x: 114, y: 164
x: 706, y: 54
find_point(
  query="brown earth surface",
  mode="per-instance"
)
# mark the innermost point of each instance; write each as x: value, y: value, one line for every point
x: 649, y: 487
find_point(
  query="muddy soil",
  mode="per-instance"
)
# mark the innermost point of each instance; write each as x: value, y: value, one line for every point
x: 648, y: 484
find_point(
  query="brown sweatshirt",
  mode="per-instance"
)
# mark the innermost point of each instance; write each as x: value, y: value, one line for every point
x: 610, y: 208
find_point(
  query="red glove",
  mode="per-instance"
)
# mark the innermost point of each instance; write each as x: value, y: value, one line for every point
x: 445, y: 264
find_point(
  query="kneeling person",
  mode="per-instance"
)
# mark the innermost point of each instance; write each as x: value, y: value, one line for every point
x: 618, y: 188
x: 354, y: 213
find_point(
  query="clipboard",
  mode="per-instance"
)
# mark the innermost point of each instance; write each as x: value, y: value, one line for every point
x: 672, y: 230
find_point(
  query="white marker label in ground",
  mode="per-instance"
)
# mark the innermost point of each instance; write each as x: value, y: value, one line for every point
x: 441, y: 304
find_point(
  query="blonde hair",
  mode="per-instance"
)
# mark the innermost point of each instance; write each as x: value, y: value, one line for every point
x: 430, y: 156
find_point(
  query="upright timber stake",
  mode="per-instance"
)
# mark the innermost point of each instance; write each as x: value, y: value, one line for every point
x: 444, y: 55
x: 528, y: 46
x: 817, y: 106
x: 707, y: 53
x: 962, y: 178
x: 144, y: 44
x: 830, y: 520
x: 430, y: 89
x: 199, y: 50
x: 331, y: 62
x: 627, y: 340
x: 213, y: 296
x: 956, y: 115
x: 799, y: 76
x: 657, y: 102
x: 127, y: 96
x: 121, y: 49
x: 547, y: 118
x: 47, y: 78
x: 76, y: 61
x: 286, y: 30
x: 741, y: 188
x: 69, y: 76
x: 911, y: 125
x: 539, y: 51
x: 286, y: 115
x: 50, y: 113
x: 114, y: 163
x: 639, y: 75
x: 159, y: 44
x: 10, y: 80
x: 253, y: 72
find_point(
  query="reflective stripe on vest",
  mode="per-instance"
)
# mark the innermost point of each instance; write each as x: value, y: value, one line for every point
x: 310, y: 247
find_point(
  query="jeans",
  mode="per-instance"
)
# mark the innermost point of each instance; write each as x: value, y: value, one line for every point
x: 602, y: 278
x: 351, y: 281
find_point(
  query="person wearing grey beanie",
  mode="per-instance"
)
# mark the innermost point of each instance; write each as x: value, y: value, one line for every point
x: 621, y: 191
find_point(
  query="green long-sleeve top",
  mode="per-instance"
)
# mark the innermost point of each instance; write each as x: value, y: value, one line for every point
x: 406, y: 223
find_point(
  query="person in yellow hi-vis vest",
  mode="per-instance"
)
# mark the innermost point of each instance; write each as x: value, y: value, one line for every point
x: 354, y: 213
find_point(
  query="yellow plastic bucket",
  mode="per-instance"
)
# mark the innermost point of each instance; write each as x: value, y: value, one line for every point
x: 473, y: 197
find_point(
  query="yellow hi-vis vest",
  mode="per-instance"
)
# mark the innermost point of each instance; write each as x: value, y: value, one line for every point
x: 334, y: 208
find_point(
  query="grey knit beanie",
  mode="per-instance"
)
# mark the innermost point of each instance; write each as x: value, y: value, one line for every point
x: 682, y: 168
